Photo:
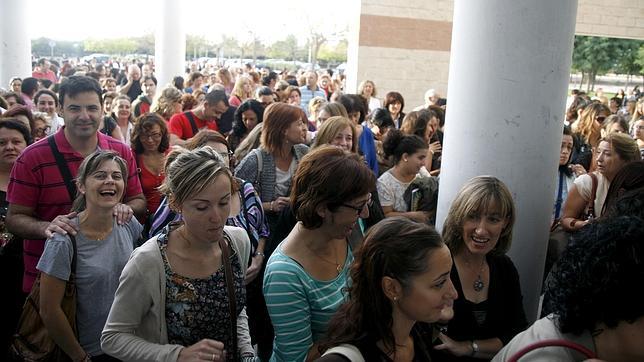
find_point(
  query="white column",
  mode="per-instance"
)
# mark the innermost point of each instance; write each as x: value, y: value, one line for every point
x: 509, y: 69
x: 170, y: 42
x: 353, y: 48
x: 15, y: 46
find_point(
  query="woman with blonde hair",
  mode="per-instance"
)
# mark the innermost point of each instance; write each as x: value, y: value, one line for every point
x: 589, y: 125
x: 367, y: 90
x: 226, y: 79
x: 488, y: 312
x: 242, y: 91
x: 168, y: 103
x: 337, y: 131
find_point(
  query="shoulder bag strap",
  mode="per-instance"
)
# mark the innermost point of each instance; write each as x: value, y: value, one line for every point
x: 224, y: 245
x: 63, y: 168
x: 347, y: 350
x: 551, y: 343
x: 593, y: 195
x: 193, y: 123
x: 559, y: 196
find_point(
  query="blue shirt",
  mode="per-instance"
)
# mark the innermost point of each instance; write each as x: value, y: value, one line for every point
x: 299, y: 305
x: 307, y: 95
x: 367, y: 146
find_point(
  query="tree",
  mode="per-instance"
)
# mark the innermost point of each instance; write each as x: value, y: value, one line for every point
x: 333, y: 54
x: 286, y: 49
x: 627, y: 53
x: 316, y: 40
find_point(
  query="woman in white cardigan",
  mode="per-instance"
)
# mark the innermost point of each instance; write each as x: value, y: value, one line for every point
x: 172, y: 303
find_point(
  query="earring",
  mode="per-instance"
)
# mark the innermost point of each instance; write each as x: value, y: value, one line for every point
x: 405, y: 160
x: 395, y: 299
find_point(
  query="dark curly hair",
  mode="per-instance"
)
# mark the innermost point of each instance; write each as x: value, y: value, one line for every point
x: 239, y: 128
x: 599, y: 277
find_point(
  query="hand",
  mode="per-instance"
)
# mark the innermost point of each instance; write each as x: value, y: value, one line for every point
x: 123, y: 213
x: 204, y: 350
x: 447, y: 314
x: 435, y: 147
x: 280, y: 203
x: 253, y: 269
x: 578, y: 170
x: 62, y: 224
x: 458, y: 349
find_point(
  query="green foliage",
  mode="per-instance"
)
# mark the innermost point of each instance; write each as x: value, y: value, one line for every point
x: 333, y: 54
x: 639, y: 60
x: 597, y: 55
x: 40, y: 47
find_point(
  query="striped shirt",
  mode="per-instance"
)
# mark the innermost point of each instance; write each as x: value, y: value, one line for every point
x: 300, y: 306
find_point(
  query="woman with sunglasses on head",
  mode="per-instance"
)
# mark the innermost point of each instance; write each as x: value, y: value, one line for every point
x: 308, y: 270
x: 590, y: 122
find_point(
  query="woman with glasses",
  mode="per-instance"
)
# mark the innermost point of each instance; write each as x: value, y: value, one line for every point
x: 150, y: 142
x: 308, y: 271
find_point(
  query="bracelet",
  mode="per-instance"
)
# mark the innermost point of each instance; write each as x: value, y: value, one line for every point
x: 475, y: 348
x: 260, y: 254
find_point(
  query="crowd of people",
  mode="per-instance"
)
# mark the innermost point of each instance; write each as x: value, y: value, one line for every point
x: 252, y: 215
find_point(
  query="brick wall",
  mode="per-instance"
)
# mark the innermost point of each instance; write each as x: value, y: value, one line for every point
x: 404, y: 45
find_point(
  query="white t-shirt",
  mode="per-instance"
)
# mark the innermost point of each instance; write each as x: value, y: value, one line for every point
x: 584, y: 186
x: 391, y: 191
x: 283, y: 179
x: 374, y: 103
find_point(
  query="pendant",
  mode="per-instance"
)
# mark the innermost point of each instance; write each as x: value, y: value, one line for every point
x: 338, y: 268
x: 478, y: 284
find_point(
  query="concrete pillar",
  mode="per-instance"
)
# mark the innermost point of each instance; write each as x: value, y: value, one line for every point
x: 353, y: 36
x: 170, y: 42
x: 508, y: 76
x: 15, y: 46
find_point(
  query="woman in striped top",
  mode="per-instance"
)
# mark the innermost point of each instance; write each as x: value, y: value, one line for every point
x: 307, y: 273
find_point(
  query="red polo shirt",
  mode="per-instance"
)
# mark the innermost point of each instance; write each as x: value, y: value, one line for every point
x: 180, y: 125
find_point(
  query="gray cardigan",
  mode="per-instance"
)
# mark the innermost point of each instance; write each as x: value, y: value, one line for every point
x: 136, y: 326
x: 264, y: 180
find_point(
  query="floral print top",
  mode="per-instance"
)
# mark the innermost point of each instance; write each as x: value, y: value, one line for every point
x: 198, y: 308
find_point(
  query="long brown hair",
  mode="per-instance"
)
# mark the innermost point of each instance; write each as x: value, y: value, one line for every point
x: 396, y: 247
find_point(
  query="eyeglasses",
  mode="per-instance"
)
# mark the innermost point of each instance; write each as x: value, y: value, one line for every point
x: 359, y: 209
x: 228, y: 154
x: 153, y: 137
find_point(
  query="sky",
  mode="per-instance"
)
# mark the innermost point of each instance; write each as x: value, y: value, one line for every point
x: 271, y: 20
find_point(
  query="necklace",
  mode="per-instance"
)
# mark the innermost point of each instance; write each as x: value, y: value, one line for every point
x: 478, y: 283
x: 338, y: 267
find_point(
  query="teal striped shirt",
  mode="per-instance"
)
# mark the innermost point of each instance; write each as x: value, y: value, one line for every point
x: 299, y: 305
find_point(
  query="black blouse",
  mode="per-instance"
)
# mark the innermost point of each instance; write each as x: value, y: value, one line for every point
x: 500, y: 316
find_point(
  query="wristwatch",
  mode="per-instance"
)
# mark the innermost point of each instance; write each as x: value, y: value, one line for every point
x: 475, y: 348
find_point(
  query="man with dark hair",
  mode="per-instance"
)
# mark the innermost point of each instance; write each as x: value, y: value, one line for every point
x: 142, y: 104
x: 183, y: 126
x: 270, y: 80
x: 28, y: 89
x: 41, y: 182
x: 43, y: 71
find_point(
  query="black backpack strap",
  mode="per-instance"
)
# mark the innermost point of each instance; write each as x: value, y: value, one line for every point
x: 193, y: 123
x: 63, y: 168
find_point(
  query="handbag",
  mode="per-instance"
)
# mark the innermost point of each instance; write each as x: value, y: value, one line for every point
x: 224, y: 245
x: 551, y: 343
x: 32, y: 342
